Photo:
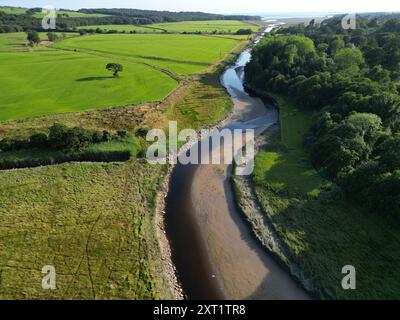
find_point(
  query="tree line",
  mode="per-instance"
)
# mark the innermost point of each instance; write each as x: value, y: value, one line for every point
x: 351, y: 79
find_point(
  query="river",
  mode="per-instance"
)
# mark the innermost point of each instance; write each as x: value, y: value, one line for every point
x: 214, y: 250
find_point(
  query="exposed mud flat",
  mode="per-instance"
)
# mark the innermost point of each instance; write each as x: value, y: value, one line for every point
x: 215, y: 252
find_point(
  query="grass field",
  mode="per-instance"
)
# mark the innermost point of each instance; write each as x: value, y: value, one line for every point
x: 181, y: 54
x: 72, y: 14
x: 290, y: 170
x: 322, y: 230
x: 16, y: 42
x: 13, y: 10
x: 93, y: 222
x: 209, y: 26
x: 57, y: 81
x: 122, y: 27
x: 206, y: 26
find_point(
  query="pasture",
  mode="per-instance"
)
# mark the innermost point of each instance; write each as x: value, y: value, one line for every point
x: 92, y: 221
x: 208, y: 26
x: 121, y: 28
x: 72, y: 14
x: 289, y: 168
x: 57, y: 81
x: 181, y: 54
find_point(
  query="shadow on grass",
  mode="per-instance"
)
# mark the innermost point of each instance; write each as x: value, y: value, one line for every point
x: 95, y: 78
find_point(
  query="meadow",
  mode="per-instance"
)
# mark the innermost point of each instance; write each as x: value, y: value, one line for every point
x: 180, y: 54
x: 93, y: 222
x: 121, y: 28
x: 61, y: 79
x: 323, y: 231
x: 72, y: 14
x: 208, y: 26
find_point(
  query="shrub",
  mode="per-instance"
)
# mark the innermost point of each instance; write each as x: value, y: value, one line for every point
x: 38, y: 140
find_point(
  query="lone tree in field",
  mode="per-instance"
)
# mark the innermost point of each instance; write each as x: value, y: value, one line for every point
x: 115, y: 67
x: 33, y: 37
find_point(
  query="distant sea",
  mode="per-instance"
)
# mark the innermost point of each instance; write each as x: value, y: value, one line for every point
x: 288, y: 15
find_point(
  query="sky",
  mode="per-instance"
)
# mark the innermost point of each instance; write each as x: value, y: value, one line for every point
x: 221, y: 6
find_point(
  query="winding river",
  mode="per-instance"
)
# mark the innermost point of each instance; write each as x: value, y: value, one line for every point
x: 215, y: 252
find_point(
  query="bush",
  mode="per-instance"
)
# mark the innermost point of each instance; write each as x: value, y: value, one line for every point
x: 38, y: 140
x: 244, y: 31
x: 107, y: 136
x: 122, y: 133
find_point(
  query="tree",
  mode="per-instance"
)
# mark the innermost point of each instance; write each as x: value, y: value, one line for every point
x: 349, y: 59
x: 38, y: 140
x: 57, y: 134
x: 33, y: 37
x: 52, y: 36
x: 115, y: 67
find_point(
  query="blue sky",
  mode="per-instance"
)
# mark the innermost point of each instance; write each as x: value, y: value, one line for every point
x: 221, y: 6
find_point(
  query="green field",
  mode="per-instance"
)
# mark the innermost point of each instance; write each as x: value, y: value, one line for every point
x: 93, y: 222
x: 16, y: 42
x: 13, y: 10
x: 209, y: 26
x: 57, y: 81
x: 121, y: 28
x: 322, y: 230
x: 181, y: 54
x: 206, y: 26
x: 290, y: 170
x: 72, y: 14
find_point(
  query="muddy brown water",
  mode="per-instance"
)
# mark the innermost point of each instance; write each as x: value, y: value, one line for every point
x: 214, y: 250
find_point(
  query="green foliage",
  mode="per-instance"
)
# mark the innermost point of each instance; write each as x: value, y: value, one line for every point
x: 349, y: 59
x: 33, y: 37
x: 321, y: 228
x: 244, y: 31
x: 350, y: 79
x: 116, y: 68
x: 52, y: 36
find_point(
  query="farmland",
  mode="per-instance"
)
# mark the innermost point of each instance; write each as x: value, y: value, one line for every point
x: 85, y: 84
x: 72, y: 14
x: 121, y: 28
x: 221, y: 26
x: 95, y: 221
x: 181, y: 54
x: 206, y: 26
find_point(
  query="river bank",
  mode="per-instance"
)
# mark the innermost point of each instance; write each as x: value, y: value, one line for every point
x: 263, y: 229
x: 216, y: 254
